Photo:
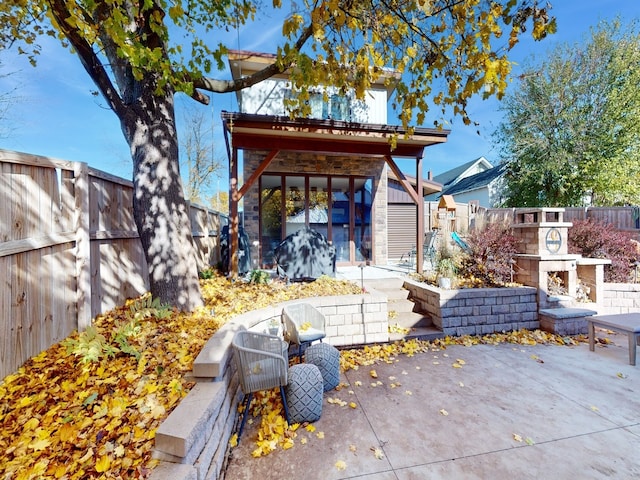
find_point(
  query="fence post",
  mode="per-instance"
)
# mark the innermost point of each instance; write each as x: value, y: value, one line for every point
x: 83, y: 244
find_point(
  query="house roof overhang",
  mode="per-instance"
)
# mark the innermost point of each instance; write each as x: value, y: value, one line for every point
x: 268, y: 132
x: 428, y: 186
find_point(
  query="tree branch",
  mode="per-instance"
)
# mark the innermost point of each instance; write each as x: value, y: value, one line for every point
x: 88, y: 57
x: 226, y: 86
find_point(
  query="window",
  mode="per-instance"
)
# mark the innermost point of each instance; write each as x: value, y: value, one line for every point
x: 335, y: 107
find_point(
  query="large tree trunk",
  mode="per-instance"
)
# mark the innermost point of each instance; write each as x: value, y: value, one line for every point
x: 159, y: 207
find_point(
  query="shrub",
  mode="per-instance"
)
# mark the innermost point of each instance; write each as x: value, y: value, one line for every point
x: 594, y: 239
x: 490, y: 256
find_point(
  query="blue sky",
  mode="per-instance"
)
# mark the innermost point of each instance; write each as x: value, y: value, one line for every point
x: 56, y: 115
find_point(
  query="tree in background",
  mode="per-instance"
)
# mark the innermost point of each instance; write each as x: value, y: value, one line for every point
x: 570, y: 133
x: 8, y: 101
x: 199, y: 156
x: 220, y: 202
x: 140, y: 54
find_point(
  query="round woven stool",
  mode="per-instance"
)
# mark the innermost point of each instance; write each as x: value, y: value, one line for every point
x: 304, y: 393
x: 327, y: 358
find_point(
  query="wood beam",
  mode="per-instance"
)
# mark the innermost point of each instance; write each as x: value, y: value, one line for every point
x: 233, y: 213
x: 403, y: 180
x: 329, y: 145
x: 264, y: 164
x: 420, y: 219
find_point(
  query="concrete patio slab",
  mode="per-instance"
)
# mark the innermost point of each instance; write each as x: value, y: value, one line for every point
x: 508, y: 411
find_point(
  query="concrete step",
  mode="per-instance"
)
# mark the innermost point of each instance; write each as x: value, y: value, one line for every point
x: 411, y: 320
x: 560, y: 301
x: 396, y: 293
x: 421, y: 333
x: 400, y: 305
x: 418, y: 325
x: 385, y: 284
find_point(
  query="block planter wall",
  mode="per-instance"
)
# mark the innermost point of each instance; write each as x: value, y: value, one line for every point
x: 477, y: 311
x: 192, y: 442
x: 619, y: 298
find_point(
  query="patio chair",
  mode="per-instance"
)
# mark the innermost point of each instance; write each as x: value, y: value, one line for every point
x: 262, y: 365
x: 303, y: 324
x: 428, y: 249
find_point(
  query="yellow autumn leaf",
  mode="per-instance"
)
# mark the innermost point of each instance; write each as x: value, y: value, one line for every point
x: 353, y: 405
x: 305, y: 326
x: 443, y: 412
x: 377, y: 452
x: 119, y: 451
x: 460, y: 361
x: 233, y: 441
x: 31, y: 424
x: 303, y: 441
x: 40, y: 444
x: 517, y: 437
x: 310, y: 428
x: 320, y: 435
x: 456, y: 365
x: 353, y: 448
x: 341, y: 465
x: 287, y: 444
x: 67, y: 432
x: 103, y: 464
x: 373, y: 374
x: 60, y: 471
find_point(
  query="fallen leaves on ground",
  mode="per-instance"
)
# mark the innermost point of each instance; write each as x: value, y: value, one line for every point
x: 388, y: 353
x: 62, y: 418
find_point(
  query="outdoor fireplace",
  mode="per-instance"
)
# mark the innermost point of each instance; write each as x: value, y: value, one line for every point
x: 543, y: 239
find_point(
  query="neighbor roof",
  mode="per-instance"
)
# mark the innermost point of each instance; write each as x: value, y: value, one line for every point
x: 449, y: 176
x: 474, y: 182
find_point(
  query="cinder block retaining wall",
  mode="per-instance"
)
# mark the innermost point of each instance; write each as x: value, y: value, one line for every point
x: 477, y: 311
x: 619, y: 298
x: 192, y: 442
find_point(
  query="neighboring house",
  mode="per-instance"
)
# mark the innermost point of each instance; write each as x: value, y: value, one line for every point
x: 453, y: 176
x: 476, y: 182
x: 483, y: 188
x: 328, y: 172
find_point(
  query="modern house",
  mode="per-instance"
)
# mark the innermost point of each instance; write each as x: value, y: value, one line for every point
x: 328, y: 171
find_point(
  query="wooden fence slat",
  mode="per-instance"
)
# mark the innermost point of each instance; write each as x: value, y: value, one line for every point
x: 19, y: 246
x: 7, y: 331
x: 5, y: 200
x: 83, y: 245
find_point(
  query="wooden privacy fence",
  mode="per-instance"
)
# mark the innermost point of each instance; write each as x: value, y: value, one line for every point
x: 622, y: 218
x: 69, y: 250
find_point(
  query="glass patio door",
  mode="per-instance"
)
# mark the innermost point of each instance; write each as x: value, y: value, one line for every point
x: 341, y: 218
x: 270, y: 216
